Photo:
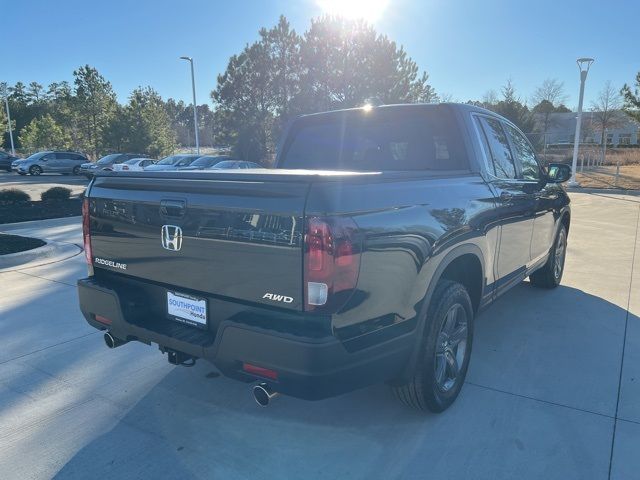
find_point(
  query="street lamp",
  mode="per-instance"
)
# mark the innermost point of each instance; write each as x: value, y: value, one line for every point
x: 195, y: 114
x: 6, y: 103
x: 583, y: 66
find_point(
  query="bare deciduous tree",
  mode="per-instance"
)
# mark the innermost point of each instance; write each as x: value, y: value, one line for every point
x: 547, y: 99
x: 490, y: 97
x: 606, y: 113
x: 552, y: 91
x: 446, y: 98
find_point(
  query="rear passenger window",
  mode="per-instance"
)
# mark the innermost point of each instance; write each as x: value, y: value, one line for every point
x: 499, y: 151
x: 525, y: 155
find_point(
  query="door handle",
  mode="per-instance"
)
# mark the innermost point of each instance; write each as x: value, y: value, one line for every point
x: 506, y: 197
x: 173, y: 208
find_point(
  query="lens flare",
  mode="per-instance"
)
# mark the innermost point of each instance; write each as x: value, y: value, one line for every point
x: 369, y: 10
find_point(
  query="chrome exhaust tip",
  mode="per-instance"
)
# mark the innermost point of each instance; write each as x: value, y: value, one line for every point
x: 262, y: 394
x: 111, y: 341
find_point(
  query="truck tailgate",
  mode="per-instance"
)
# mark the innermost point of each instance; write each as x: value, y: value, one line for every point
x: 240, y: 239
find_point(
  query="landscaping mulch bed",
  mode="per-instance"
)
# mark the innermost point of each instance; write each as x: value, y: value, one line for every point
x: 24, y: 212
x: 15, y: 243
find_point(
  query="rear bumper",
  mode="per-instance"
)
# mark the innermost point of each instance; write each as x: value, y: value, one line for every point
x: 308, y: 368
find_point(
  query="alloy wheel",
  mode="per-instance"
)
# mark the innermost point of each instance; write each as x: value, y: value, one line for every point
x: 451, y: 347
x: 559, y: 254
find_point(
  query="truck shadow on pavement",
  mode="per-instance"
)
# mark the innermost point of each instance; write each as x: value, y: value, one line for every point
x: 545, y: 366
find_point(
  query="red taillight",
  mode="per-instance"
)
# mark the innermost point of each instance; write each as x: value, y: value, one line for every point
x: 86, y: 231
x: 260, y: 371
x: 332, y: 262
x: 125, y: 167
x: 317, y: 243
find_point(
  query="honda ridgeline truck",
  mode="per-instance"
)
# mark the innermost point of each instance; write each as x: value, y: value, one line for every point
x: 362, y: 257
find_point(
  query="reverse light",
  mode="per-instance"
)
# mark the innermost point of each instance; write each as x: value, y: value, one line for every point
x: 86, y: 234
x: 331, y: 261
x: 317, y: 293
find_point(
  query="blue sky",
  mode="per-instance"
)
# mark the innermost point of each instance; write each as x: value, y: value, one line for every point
x: 466, y: 47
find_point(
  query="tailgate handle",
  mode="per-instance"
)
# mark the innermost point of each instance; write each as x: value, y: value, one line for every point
x: 172, y: 208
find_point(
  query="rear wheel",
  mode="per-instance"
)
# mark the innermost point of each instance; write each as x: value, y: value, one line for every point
x: 550, y: 275
x: 35, y: 170
x: 444, y: 358
x: 76, y: 170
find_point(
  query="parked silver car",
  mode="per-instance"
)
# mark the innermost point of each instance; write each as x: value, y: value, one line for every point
x: 133, y: 165
x: 233, y: 164
x: 107, y: 162
x: 173, y: 162
x: 51, y: 162
x: 205, y: 162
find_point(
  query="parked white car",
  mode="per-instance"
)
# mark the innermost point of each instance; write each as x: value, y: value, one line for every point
x: 133, y: 165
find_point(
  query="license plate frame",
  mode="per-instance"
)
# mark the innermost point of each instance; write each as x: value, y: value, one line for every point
x: 187, y: 309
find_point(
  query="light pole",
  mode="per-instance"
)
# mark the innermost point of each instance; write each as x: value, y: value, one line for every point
x: 583, y: 66
x: 195, y: 114
x: 6, y: 103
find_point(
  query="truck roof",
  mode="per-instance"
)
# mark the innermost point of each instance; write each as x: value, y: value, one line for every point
x: 463, y: 107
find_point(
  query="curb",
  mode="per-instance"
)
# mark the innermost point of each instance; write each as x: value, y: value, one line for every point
x: 30, y: 223
x: 49, y: 253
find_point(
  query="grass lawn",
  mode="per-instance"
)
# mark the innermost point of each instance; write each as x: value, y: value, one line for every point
x: 605, y: 177
x: 14, y: 243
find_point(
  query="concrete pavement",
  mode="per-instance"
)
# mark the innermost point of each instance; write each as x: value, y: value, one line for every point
x: 553, y: 390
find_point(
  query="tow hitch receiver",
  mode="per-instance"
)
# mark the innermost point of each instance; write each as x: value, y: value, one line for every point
x: 179, y: 358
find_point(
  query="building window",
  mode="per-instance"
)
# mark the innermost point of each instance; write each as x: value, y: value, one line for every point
x: 609, y: 138
x: 624, y: 139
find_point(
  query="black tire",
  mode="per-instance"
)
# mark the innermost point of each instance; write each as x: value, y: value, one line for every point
x: 550, y: 275
x: 35, y: 170
x: 76, y: 171
x: 432, y: 386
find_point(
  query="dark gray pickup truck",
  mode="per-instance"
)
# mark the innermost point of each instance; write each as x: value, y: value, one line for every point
x: 362, y: 257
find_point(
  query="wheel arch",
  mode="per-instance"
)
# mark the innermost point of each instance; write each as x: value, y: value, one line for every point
x: 450, y: 267
x: 565, y: 219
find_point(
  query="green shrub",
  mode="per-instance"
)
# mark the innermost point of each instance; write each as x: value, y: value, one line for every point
x: 56, y: 193
x: 12, y: 196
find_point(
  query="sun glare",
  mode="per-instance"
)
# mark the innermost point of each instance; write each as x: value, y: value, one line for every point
x: 369, y: 10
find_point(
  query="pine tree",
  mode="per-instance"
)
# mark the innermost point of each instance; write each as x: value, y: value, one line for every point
x: 512, y: 108
x: 632, y: 99
x: 94, y: 106
x: 336, y: 64
x: 44, y: 134
x: 143, y: 126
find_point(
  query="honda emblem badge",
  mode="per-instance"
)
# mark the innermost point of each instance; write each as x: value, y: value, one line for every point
x: 171, y: 237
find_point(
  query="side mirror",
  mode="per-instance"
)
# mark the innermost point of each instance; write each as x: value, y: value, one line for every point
x: 558, y: 173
